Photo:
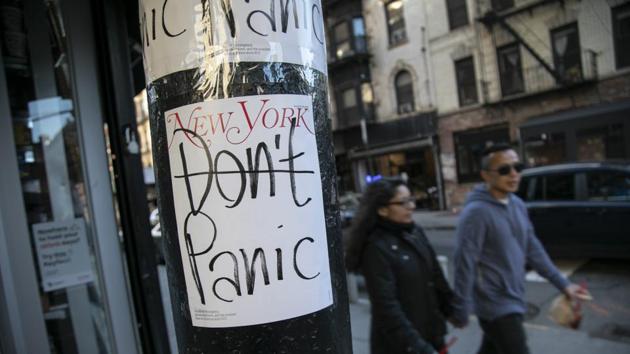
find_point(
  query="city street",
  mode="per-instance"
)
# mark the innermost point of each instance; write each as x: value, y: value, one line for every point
x: 605, y: 327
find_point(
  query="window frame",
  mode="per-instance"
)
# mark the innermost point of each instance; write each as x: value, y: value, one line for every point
x: 503, y: 49
x: 462, y: 83
x: 617, y: 42
x: 343, y: 112
x: 357, y: 43
x: 408, y: 91
x: 454, y: 5
x: 356, y: 39
x: 336, y: 42
x: 343, y: 96
x: 404, y: 39
x: 556, y: 58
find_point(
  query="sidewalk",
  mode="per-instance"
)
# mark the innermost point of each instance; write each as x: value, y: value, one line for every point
x: 541, y: 339
x: 435, y: 220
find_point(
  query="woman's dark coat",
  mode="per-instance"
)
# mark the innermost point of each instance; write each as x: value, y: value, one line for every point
x: 409, y: 294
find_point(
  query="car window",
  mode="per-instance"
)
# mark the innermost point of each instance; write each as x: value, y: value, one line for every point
x: 608, y: 185
x: 539, y: 189
x: 559, y: 187
x: 523, y: 188
x: 530, y: 188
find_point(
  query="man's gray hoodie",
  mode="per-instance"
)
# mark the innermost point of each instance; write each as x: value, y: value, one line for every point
x: 495, y: 241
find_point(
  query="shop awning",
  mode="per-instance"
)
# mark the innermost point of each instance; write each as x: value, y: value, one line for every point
x: 604, y: 111
x: 380, y: 150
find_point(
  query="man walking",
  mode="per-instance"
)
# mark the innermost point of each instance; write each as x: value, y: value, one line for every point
x: 495, y: 241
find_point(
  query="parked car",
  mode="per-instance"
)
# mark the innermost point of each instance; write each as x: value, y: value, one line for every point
x: 580, y: 209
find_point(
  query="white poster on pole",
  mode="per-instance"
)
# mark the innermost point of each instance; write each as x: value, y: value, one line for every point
x: 249, y: 209
x: 188, y: 34
x: 63, y: 254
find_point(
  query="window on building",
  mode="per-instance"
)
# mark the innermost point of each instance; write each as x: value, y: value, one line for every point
x: 601, y: 143
x: 348, y: 38
x: 621, y: 33
x: 367, y: 98
x: 349, y: 98
x: 342, y: 40
x: 545, y: 149
x: 469, y: 146
x: 404, y: 92
x: 395, y: 22
x: 566, y: 52
x: 457, y: 13
x: 348, y: 112
x: 358, y: 30
x: 500, y: 5
x: 466, y: 82
x: 510, y: 69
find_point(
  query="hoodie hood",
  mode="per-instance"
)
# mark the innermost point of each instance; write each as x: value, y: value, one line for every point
x: 480, y: 193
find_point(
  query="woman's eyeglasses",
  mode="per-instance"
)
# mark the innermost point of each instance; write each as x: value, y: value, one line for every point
x: 505, y: 170
x: 404, y: 201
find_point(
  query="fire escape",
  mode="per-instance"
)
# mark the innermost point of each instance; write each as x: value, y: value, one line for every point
x: 499, y: 14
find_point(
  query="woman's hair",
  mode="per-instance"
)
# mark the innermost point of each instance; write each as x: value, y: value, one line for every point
x: 377, y: 195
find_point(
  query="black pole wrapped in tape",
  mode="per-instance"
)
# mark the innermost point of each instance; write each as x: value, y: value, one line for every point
x: 246, y: 176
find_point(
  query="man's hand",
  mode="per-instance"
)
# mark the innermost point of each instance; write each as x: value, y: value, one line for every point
x: 577, y: 292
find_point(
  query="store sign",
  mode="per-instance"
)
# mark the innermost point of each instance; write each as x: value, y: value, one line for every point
x: 63, y: 254
x: 249, y: 209
x: 188, y: 34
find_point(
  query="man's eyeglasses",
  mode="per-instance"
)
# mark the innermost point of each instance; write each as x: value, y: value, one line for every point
x: 404, y: 201
x: 505, y: 170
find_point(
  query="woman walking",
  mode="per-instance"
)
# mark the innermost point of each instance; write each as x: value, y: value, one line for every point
x: 409, y: 294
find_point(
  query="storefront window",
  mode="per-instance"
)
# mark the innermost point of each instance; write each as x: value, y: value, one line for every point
x: 601, y: 143
x: 545, y: 149
x: 53, y: 186
x: 418, y: 168
x: 469, y: 147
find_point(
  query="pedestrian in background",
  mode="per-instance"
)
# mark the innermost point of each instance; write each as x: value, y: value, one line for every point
x: 495, y: 242
x: 409, y: 294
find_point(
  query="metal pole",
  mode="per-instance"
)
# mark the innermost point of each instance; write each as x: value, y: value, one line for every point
x: 245, y: 173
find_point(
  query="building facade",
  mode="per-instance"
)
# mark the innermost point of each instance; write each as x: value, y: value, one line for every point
x: 550, y: 77
x: 382, y: 101
x: 434, y: 83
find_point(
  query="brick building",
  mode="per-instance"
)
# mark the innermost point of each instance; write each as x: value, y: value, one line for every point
x: 551, y: 77
x: 421, y: 88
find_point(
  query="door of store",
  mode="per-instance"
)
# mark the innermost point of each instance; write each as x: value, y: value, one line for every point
x: 62, y: 275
